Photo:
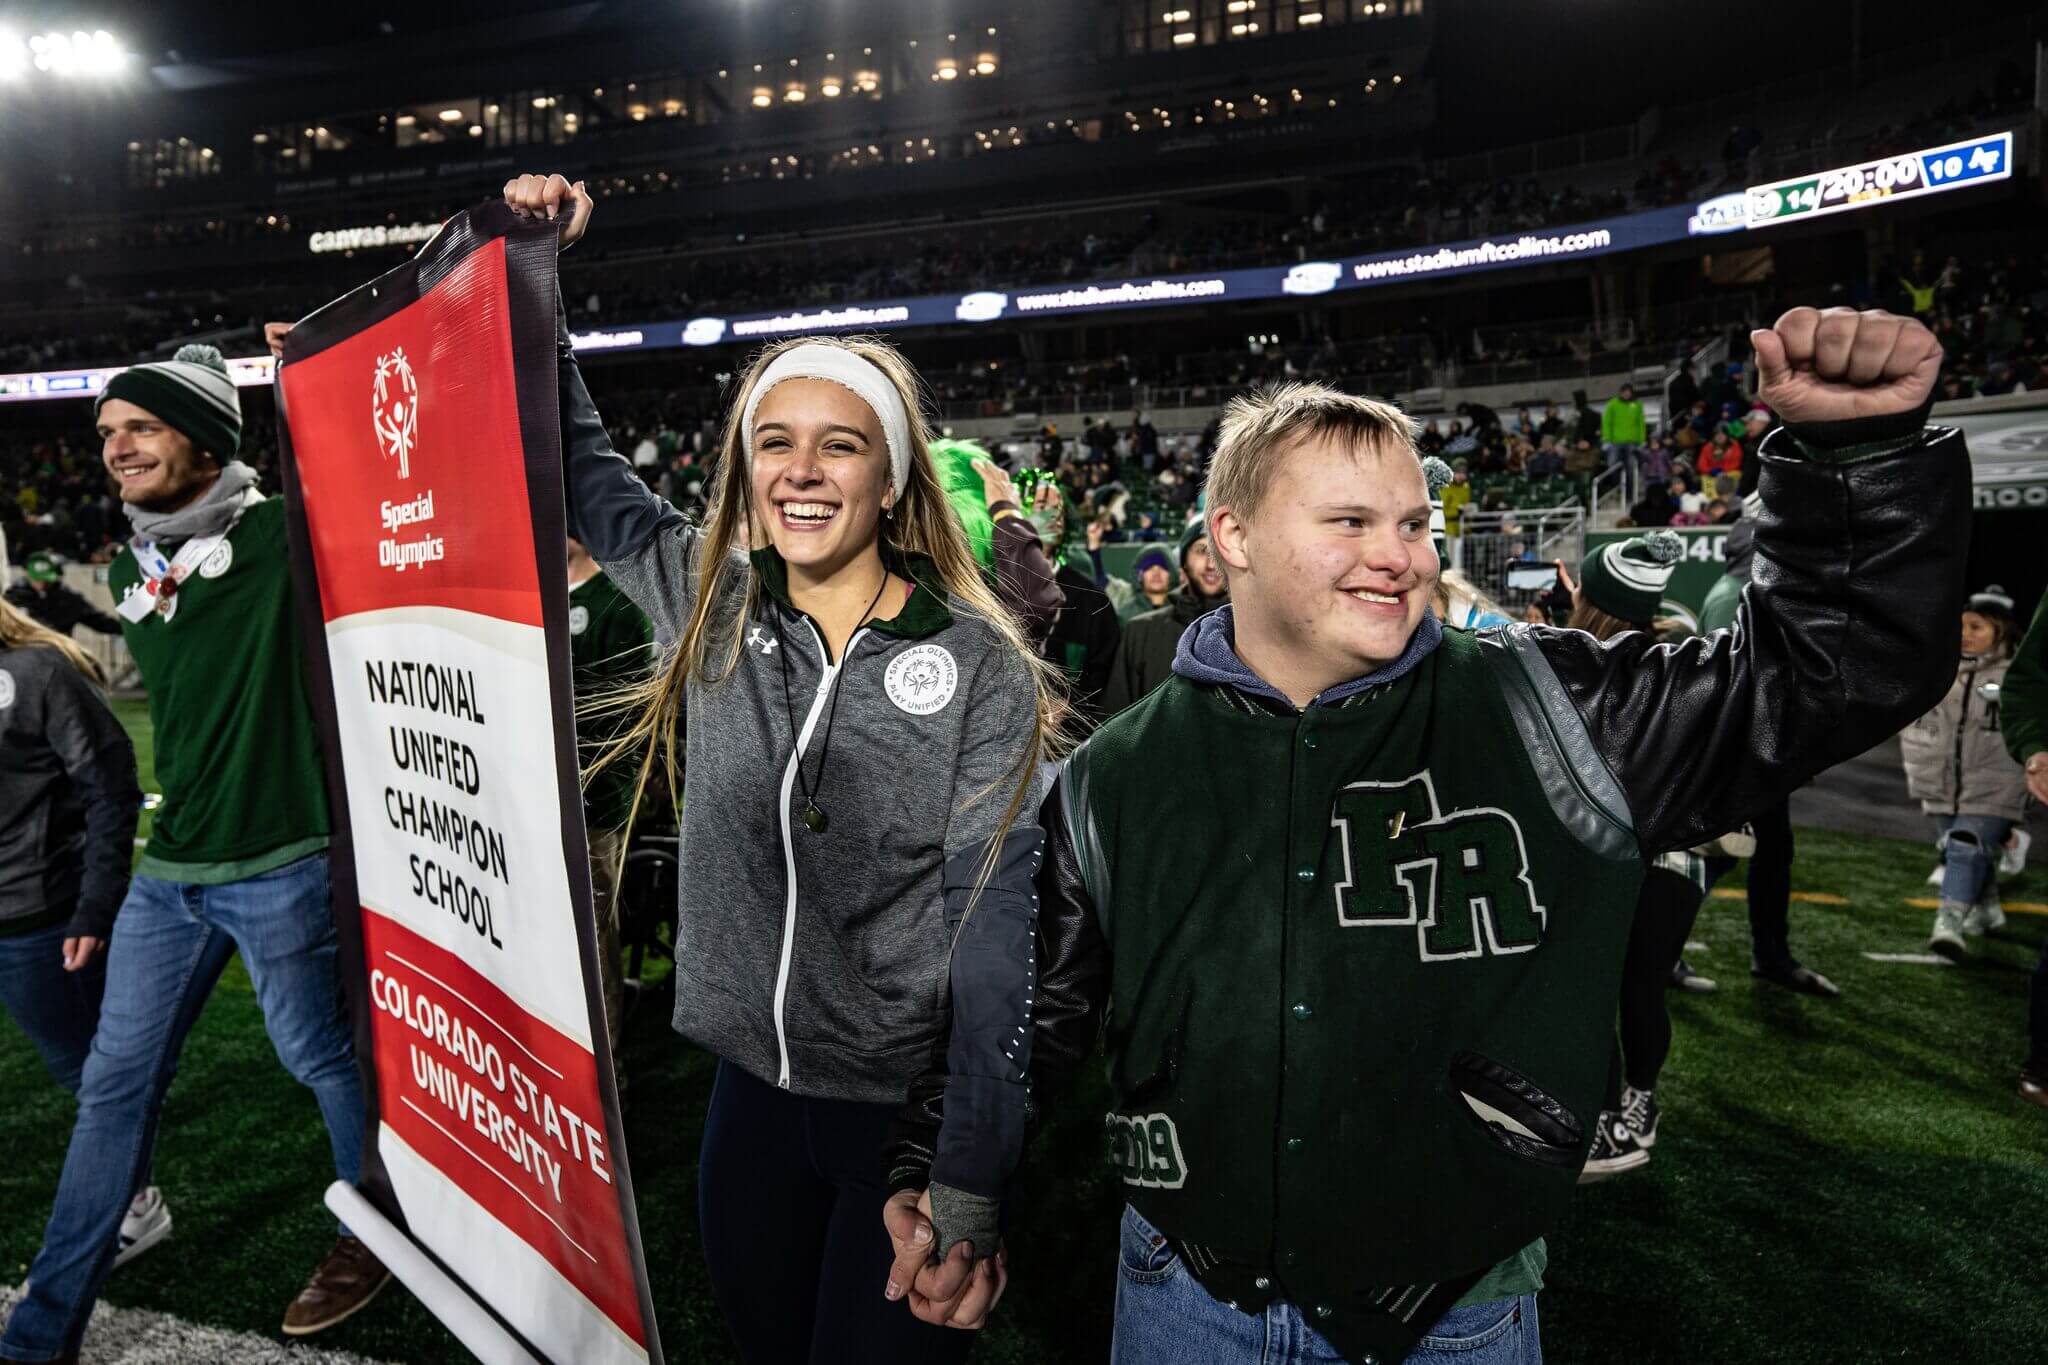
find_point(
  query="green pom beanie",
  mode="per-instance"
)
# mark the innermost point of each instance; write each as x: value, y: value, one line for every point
x: 191, y: 393
x: 1627, y: 579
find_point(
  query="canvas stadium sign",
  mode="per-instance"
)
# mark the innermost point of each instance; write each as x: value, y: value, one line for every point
x: 1893, y: 179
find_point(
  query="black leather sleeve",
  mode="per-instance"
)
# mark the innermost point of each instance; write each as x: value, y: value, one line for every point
x: 610, y: 510
x: 1070, y: 993
x: 1847, y: 632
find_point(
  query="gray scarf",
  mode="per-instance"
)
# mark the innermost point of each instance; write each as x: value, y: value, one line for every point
x: 232, y: 494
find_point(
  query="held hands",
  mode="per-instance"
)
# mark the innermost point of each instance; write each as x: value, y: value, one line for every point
x: 78, y: 952
x: 1838, y: 365
x: 957, y: 1292
x: 553, y: 198
x: 273, y: 337
x: 2037, y: 777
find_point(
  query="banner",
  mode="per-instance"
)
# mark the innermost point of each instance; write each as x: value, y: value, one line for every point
x: 423, y: 467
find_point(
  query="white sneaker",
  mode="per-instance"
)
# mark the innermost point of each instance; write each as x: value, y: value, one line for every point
x: 1947, y: 938
x: 1940, y: 871
x: 2012, y: 859
x: 1986, y: 916
x: 147, y: 1222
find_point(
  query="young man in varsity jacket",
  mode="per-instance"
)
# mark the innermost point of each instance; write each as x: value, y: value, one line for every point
x: 1366, y: 883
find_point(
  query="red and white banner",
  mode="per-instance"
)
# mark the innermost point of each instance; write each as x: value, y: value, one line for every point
x: 423, y: 464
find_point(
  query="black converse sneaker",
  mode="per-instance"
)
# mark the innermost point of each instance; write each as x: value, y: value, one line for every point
x: 1639, y: 1112
x: 1615, y: 1150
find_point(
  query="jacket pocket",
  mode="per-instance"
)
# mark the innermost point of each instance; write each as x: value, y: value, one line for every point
x: 1516, y: 1113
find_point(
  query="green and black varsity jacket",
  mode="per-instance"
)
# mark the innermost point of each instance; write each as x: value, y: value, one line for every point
x: 1364, y: 958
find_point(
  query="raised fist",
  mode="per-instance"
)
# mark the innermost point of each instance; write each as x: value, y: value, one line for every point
x: 1839, y: 364
x: 554, y: 198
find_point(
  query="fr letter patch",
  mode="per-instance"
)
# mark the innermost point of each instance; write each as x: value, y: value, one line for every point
x: 1461, y: 879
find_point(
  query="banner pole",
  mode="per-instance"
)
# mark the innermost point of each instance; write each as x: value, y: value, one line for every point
x: 458, y: 1311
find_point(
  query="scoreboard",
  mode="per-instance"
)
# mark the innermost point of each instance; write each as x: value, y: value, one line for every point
x: 1886, y: 179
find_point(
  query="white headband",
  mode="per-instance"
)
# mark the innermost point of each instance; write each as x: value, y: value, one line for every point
x: 862, y: 377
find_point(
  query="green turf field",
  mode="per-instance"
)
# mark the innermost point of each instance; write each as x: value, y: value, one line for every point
x: 1834, y: 1182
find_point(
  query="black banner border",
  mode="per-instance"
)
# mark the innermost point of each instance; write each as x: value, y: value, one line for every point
x: 531, y: 293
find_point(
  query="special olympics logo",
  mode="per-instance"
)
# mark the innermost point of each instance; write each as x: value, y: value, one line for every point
x: 922, y: 679
x: 395, y: 409
x: 986, y: 306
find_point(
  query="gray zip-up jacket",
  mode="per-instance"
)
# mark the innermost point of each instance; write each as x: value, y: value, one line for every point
x: 833, y: 961
x: 1955, y: 757
x: 68, y: 798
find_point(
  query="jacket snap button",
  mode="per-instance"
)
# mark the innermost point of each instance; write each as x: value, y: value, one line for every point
x: 1294, y: 1144
x: 1306, y: 874
x: 1308, y: 741
x: 1323, y: 1310
x: 1262, y: 1284
x: 1302, y: 1010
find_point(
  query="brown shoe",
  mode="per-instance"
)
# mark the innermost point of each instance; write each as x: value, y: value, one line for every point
x: 349, y: 1278
x: 2034, y: 1087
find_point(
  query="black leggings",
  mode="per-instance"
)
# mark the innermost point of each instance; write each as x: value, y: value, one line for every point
x: 789, y: 1199
x: 1666, y: 908
x: 1770, y: 887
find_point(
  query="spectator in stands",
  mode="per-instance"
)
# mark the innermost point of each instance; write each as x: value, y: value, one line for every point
x: 1622, y: 429
x: 1692, y: 509
x: 1958, y: 769
x: 1720, y: 462
x: 1583, y: 458
x: 42, y: 594
x: 1720, y: 513
x: 1684, y: 391
x: 1658, y: 505
x: 237, y: 858
x: 1145, y: 654
x: 1479, y: 417
x: 1431, y: 439
x: 1152, y: 575
x: 1552, y: 424
x: 1585, y: 423
x: 1656, y: 462
x: 68, y: 806
x: 1456, y: 497
x: 1546, y: 461
x: 1085, y: 632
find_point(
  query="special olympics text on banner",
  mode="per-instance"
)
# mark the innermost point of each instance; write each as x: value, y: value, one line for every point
x: 423, y: 466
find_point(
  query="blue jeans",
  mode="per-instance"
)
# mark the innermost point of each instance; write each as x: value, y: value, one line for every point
x: 1970, y: 846
x: 58, y: 1010
x: 1163, y: 1317
x: 170, y: 945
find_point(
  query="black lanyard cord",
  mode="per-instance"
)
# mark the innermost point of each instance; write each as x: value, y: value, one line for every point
x: 814, y: 817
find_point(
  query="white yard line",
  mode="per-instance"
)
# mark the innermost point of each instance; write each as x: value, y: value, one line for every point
x: 139, y: 1336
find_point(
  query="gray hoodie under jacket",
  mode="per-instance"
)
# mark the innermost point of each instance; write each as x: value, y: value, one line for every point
x: 826, y: 961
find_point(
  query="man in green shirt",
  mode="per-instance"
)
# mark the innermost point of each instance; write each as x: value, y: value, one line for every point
x: 609, y: 643
x: 1622, y: 429
x: 237, y: 860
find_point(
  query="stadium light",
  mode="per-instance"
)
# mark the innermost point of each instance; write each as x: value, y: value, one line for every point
x: 763, y: 97
x: 829, y: 87
x: 1183, y: 39
x: 985, y: 64
x: 1306, y: 20
x: 451, y: 116
x: 794, y: 93
x: 13, y: 57
x: 76, y: 54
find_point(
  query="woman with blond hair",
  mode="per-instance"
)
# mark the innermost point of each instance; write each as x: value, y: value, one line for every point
x: 864, y: 723
x: 68, y: 807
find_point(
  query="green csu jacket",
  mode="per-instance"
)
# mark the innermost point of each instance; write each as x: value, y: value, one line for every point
x: 1364, y: 958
